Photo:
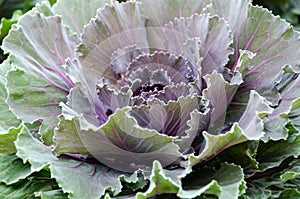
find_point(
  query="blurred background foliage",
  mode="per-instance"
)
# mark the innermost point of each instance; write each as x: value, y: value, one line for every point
x: 287, y: 9
x: 11, y: 10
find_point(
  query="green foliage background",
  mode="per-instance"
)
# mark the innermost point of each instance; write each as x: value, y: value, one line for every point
x: 287, y: 9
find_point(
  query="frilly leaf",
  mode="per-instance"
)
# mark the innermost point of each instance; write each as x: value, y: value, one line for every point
x: 131, y: 147
x: 7, y: 118
x: 32, y: 98
x: 77, y: 13
x: 12, y: 169
x: 206, y: 181
x: 214, y: 36
x: 89, y: 180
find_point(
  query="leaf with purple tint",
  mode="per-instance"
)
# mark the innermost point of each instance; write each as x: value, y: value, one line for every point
x: 219, y: 93
x: 112, y: 99
x: 214, y: 36
x: 42, y: 55
x: 252, y: 119
x: 287, y: 110
x: 177, y: 68
x: 163, y: 11
x: 173, y: 92
x: 183, y: 119
x: 89, y: 179
x: 121, y: 58
x: 249, y: 127
x: 215, y: 144
x: 7, y: 118
x: 274, y: 42
x: 225, y: 8
x: 130, y: 146
x: 77, y: 13
x: 116, y: 26
x: 146, y: 83
x: 32, y: 98
x: 78, y: 101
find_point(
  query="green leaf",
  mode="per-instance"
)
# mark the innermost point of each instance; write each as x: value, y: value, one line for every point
x: 89, y: 179
x: 7, y: 118
x: 42, y: 83
x: 225, y: 182
x: 33, y: 98
x: 159, y: 183
x: 53, y: 194
x: 289, y: 194
x: 273, y: 153
x: 42, y: 55
x: 7, y: 140
x: 215, y: 144
x: 12, y: 169
x: 275, y: 182
x: 242, y: 154
x: 131, y: 146
x: 24, y: 188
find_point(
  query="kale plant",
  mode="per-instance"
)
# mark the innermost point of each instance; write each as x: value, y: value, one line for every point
x: 150, y: 99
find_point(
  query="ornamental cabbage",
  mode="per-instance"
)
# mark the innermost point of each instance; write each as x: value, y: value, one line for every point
x: 150, y: 99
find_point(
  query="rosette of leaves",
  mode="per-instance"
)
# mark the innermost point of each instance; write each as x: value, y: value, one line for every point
x: 149, y: 99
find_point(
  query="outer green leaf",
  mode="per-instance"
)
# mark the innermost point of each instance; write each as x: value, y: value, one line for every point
x: 31, y: 150
x: 42, y: 57
x: 290, y: 194
x: 33, y: 98
x: 294, y: 114
x: 77, y: 13
x: 41, y: 54
x: 130, y: 146
x: 241, y: 154
x: 273, y: 153
x: 226, y: 182
x: 55, y: 194
x: 24, y: 188
x: 159, y: 183
x: 12, y: 169
x: 7, y: 140
x: 270, y: 183
x: 7, y: 118
x: 89, y: 180
x: 214, y: 144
